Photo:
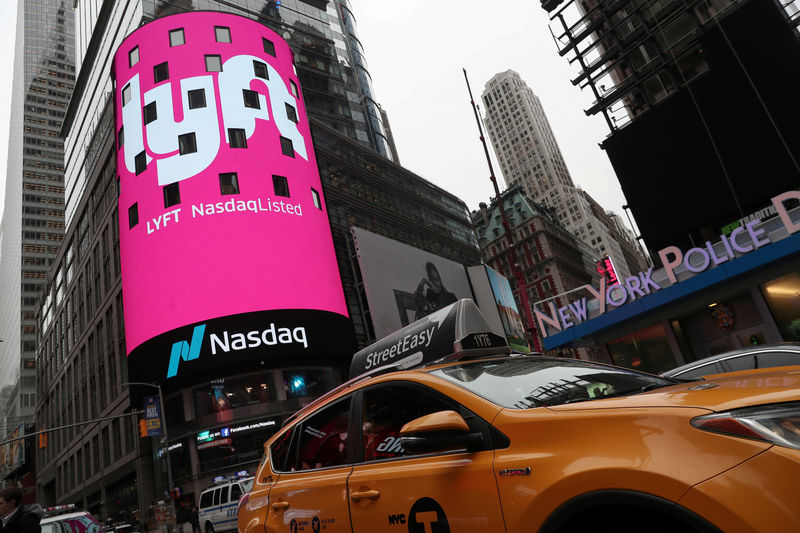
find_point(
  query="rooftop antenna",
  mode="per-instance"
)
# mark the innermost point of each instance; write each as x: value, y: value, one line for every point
x: 512, y: 250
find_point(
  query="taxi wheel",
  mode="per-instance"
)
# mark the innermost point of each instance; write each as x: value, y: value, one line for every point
x: 648, y: 523
x: 639, y: 528
x: 617, y: 519
x: 638, y: 523
x: 209, y: 527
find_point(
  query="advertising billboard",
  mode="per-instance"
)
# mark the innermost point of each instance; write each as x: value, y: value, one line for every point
x: 227, y: 254
x: 403, y: 283
x: 12, y: 454
x: 507, y: 308
x: 152, y: 416
x: 495, y: 299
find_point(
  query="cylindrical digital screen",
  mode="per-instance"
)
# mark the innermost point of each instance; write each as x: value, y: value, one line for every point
x: 226, y: 249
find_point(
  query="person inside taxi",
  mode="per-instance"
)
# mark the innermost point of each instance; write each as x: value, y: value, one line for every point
x: 328, y: 446
x: 381, y: 430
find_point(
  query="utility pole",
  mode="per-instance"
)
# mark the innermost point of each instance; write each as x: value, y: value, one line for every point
x: 166, y: 438
x: 512, y: 250
x: 67, y: 426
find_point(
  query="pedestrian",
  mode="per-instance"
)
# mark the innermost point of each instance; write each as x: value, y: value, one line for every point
x: 17, y: 518
x: 194, y: 519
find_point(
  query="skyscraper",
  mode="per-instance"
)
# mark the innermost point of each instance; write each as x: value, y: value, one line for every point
x: 33, y: 215
x: 83, y: 373
x: 329, y: 57
x: 530, y: 158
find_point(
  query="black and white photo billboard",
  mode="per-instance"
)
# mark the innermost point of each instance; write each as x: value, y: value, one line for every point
x: 403, y: 283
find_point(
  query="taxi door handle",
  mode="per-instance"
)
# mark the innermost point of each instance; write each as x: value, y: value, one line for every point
x: 364, y: 495
x: 280, y: 506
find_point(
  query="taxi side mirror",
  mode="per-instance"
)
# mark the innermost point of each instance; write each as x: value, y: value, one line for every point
x: 439, y: 432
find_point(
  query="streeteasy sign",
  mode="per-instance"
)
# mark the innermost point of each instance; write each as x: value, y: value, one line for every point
x: 443, y: 334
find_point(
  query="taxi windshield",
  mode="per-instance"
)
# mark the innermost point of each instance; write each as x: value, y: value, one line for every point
x: 526, y: 382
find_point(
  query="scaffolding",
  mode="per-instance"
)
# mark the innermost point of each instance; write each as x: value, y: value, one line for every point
x: 634, y: 53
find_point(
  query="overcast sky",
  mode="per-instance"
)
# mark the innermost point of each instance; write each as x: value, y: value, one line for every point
x: 8, y: 11
x: 416, y: 51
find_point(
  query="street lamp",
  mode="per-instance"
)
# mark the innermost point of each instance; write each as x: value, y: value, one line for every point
x: 164, y: 427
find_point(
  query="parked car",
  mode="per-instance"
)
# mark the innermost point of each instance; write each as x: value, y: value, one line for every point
x: 70, y: 522
x: 219, y: 504
x: 441, y: 429
x: 764, y: 356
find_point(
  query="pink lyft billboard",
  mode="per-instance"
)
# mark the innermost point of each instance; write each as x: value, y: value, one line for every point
x: 227, y: 254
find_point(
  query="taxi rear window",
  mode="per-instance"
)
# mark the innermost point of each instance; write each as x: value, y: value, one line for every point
x: 526, y: 382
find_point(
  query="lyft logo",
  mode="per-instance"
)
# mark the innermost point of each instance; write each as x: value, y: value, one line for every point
x: 222, y: 110
x: 186, y: 351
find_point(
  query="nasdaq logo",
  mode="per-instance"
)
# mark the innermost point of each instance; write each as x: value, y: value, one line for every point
x: 186, y: 351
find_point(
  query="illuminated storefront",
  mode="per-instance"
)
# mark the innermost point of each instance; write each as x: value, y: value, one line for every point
x: 739, y: 291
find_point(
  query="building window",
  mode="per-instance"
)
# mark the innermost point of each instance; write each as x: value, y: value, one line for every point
x: 213, y: 63
x: 187, y: 143
x: 197, y: 98
x: 161, y: 72
x: 150, y: 113
x: 229, y: 183
x: 121, y: 137
x: 126, y: 95
x: 295, y: 92
x: 140, y: 162
x: 172, y: 195
x: 269, y: 46
x: 260, y: 70
x: 133, y: 56
x: 176, y: 37
x: 281, y: 185
x: 222, y: 34
x: 291, y: 113
x: 237, y: 138
x: 251, y: 99
x: 316, y: 198
x: 133, y: 215
x: 287, y: 147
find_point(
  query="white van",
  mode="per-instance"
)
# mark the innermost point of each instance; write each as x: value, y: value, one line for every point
x: 219, y: 505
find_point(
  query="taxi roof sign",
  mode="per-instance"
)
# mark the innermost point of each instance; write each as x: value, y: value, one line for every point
x: 453, y: 332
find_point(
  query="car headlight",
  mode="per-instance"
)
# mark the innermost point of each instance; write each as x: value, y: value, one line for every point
x: 777, y: 423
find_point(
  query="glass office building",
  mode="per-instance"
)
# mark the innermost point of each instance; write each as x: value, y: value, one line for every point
x: 330, y: 59
x: 33, y: 214
x: 330, y: 64
x: 106, y: 467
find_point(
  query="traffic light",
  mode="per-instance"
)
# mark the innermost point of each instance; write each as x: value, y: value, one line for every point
x: 42, y: 441
x: 142, y: 427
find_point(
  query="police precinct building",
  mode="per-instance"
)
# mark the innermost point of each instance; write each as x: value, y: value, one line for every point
x: 739, y: 291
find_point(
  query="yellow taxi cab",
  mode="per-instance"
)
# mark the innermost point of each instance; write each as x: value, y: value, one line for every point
x: 442, y: 430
